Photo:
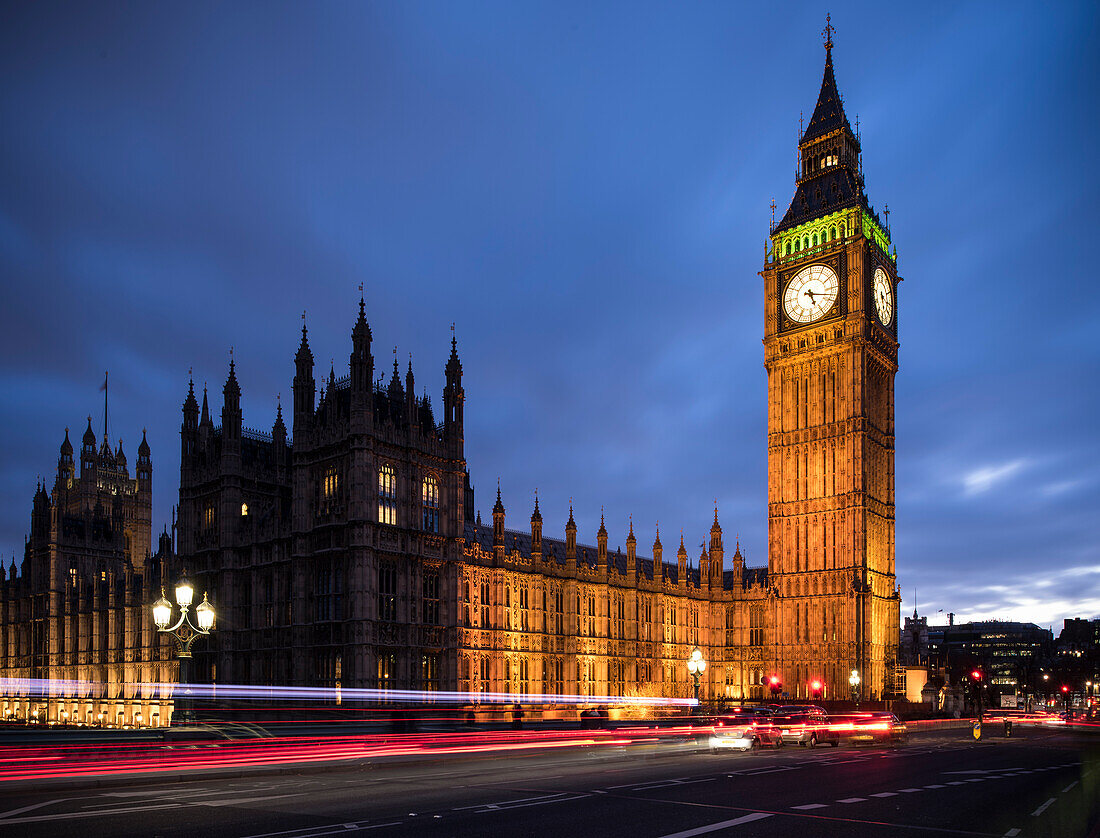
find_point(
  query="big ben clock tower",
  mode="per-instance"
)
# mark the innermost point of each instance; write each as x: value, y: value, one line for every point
x: 831, y: 352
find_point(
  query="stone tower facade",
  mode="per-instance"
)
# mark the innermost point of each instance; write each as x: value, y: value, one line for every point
x: 831, y: 352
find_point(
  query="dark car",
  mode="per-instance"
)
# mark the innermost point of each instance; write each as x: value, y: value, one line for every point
x: 808, y: 728
x: 745, y: 730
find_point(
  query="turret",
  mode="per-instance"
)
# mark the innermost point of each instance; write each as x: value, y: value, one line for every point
x: 536, y: 532
x: 305, y: 388
x: 87, y: 451
x: 410, y: 394
x: 571, y: 540
x: 144, y: 470
x: 189, y: 430
x: 453, y: 396
x: 66, y: 470
x: 682, y: 562
x: 120, y: 458
x: 631, y: 552
x: 362, y: 362
x: 231, y: 410
x: 40, y: 513
x: 658, y: 557
x: 704, y: 569
x: 738, y: 563
x: 498, y: 528
x: 601, y: 545
x: 717, y: 553
x: 278, y: 435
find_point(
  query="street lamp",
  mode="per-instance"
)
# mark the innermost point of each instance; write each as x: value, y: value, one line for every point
x: 184, y: 633
x: 696, y: 666
x: 853, y: 685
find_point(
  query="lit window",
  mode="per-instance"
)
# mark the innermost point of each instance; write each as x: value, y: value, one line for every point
x: 244, y: 510
x: 387, y: 496
x: 429, y: 496
x: 331, y: 484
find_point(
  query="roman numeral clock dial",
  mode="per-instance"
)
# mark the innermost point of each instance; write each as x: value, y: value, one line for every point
x: 884, y: 297
x: 810, y: 294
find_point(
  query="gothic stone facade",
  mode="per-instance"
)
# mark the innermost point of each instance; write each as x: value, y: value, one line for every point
x: 77, y: 613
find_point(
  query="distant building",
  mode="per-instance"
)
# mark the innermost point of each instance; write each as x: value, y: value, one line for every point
x: 1009, y: 654
x: 77, y: 610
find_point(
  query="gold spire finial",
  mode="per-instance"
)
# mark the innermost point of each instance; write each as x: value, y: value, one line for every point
x: 828, y: 32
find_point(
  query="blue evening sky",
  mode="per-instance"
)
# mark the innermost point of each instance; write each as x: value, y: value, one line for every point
x: 583, y: 189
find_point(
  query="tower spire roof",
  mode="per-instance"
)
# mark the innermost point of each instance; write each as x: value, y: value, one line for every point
x: 829, y: 112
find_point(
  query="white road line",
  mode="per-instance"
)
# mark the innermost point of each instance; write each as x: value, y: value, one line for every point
x: 714, y: 827
x: 811, y: 806
x: 32, y: 806
x: 935, y: 786
x: 885, y: 794
x: 1067, y: 788
x: 955, y: 782
x: 68, y: 816
x: 1012, y: 833
x: 508, y: 802
x: 853, y: 800
x: 909, y: 791
x: 1042, y: 808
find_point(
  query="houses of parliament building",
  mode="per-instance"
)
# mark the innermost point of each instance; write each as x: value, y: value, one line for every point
x: 345, y: 550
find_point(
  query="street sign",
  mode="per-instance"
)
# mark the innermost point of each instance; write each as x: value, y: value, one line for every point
x: 978, y: 729
x: 1008, y: 700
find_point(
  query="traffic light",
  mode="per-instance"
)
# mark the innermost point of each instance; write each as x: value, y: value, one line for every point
x: 1065, y: 689
x: 775, y: 685
x: 976, y: 675
x: 815, y: 689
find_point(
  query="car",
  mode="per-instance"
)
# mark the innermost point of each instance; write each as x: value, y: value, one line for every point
x: 871, y: 728
x: 806, y: 729
x: 744, y: 731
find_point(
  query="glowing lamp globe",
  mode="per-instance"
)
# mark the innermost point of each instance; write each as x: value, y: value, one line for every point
x: 185, y: 592
x: 162, y: 612
x: 205, y: 614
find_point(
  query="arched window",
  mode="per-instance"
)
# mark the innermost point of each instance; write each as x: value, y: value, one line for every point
x: 843, y: 230
x: 429, y: 499
x: 387, y: 495
x: 832, y: 232
x: 786, y: 248
x: 817, y: 239
x: 805, y: 242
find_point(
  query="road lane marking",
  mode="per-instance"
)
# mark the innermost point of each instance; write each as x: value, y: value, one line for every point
x: 955, y: 782
x: 811, y: 806
x: 1012, y: 833
x: 1067, y: 788
x: 68, y: 816
x: 1042, y: 808
x: 885, y: 794
x: 909, y: 791
x: 853, y: 800
x: 32, y: 806
x: 935, y: 786
x: 714, y: 827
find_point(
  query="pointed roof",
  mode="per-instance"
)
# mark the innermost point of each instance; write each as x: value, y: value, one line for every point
x: 361, y: 328
x: 536, y: 515
x: 66, y: 446
x: 189, y: 403
x: 232, y: 388
x: 829, y: 112
x: 603, y: 530
x: 630, y: 539
x: 89, y: 435
x: 657, y: 540
x: 715, y: 527
x: 143, y: 449
x: 498, y: 507
x: 570, y: 524
x: 454, y: 366
x: 304, y: 355
x: 205, y: 407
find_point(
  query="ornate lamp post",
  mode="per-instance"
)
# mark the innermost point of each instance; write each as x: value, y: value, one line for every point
x: 184, y: 632
x: 696, y: 666
x: 853, y: 685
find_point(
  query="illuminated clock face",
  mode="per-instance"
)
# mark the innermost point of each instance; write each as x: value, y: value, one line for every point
x: 884, y: 297
x: 810, y: 294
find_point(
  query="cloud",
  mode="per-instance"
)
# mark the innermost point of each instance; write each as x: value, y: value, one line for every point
x: 983, y: 479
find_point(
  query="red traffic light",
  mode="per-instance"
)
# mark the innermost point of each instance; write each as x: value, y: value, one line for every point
x: 815, y: 685
x: 976, y: 675
x: 1065, y: 689
x: 775, y: 680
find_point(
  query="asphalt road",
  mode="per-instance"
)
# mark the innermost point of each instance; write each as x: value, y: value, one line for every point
x: 1039, y: 783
